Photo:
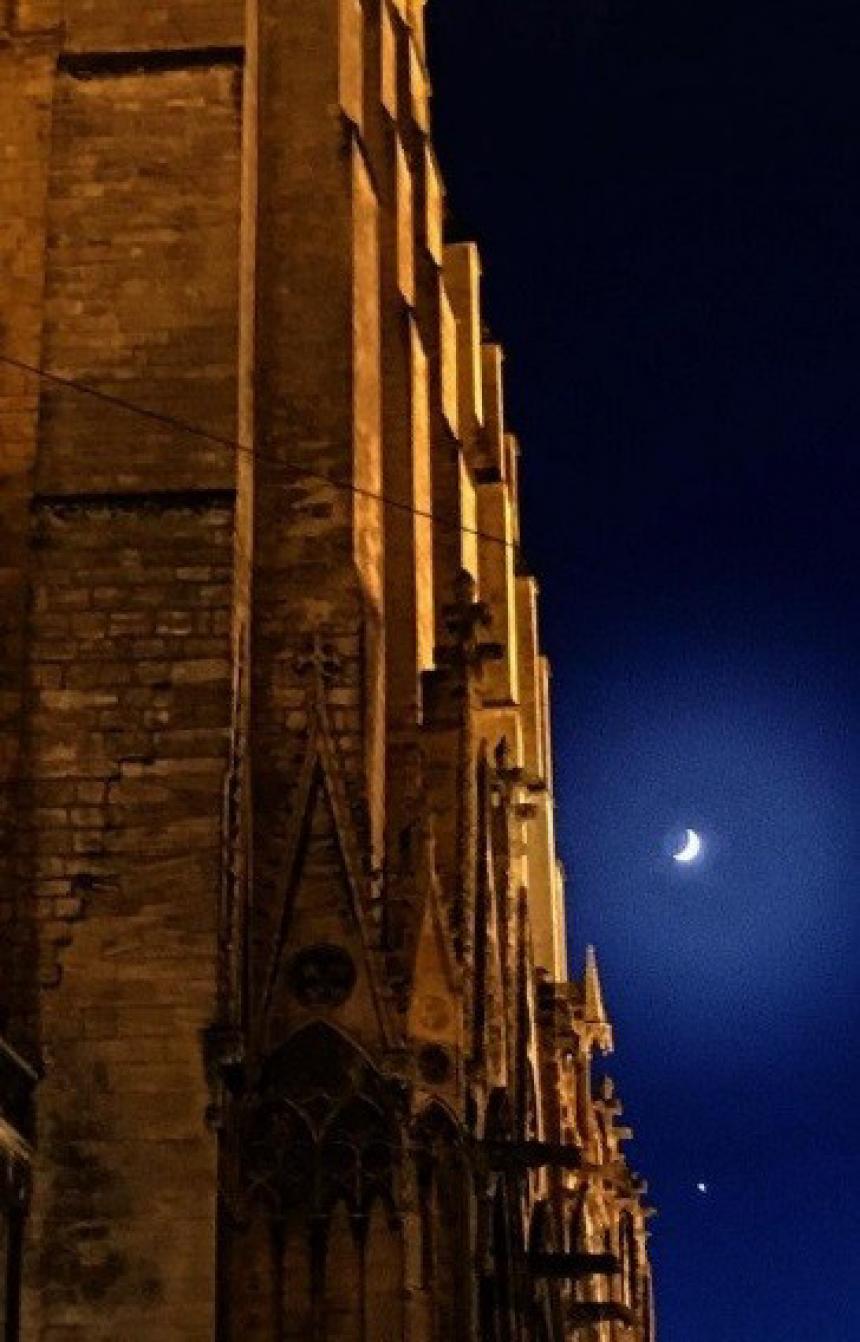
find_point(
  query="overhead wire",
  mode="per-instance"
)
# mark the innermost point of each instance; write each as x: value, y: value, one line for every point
x: 233, y: 445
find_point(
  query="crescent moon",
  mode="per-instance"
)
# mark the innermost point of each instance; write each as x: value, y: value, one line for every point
x: 691, y: 849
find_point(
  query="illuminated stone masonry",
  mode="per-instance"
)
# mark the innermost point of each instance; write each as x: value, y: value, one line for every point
x: 282, y: 927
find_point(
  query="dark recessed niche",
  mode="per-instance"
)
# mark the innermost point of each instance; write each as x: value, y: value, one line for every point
x: 434, y: 1064
x: 321, y: 976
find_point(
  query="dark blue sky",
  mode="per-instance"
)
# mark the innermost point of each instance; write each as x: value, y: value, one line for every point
x: 667, y: 197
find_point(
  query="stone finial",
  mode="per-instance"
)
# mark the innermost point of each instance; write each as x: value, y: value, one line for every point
x: 595, y: 1015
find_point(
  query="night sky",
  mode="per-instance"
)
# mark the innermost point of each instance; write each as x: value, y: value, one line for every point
x: 667, y: 198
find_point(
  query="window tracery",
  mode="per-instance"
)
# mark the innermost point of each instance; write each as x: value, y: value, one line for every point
x: 321, y: 1128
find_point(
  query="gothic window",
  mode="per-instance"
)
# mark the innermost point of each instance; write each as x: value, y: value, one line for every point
x: 592, y: 1239
x: 576, y: 1230
x: 321, y: 1128
x: 443, y: 1199
x: 629, y: 1263
x: 648, y: 1313
x: 320, y: 1246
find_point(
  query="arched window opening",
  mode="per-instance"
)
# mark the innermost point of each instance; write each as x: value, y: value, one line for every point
x: 443, y: 1199
x: 319, y: 1150
x: 629, y: 1262
x: 648, y: 1312
x: 320, y: 1128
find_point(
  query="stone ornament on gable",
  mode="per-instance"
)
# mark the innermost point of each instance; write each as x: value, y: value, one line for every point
x: 321, y: 976
x: 318, y: 660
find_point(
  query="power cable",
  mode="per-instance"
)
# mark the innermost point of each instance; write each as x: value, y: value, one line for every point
x: 195, y: 431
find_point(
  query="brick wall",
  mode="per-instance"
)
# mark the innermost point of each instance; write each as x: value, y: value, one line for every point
x: 142, y: 286
x: 129, y: 699
x: 119, y: 185
x: 110, y: 25
x: 25, y: 107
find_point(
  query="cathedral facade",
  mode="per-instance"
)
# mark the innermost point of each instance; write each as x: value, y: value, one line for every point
x: 288, y: 1046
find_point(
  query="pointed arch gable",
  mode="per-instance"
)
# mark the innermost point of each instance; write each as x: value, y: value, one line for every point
x: 439, y: 1120
x: 322, y: 853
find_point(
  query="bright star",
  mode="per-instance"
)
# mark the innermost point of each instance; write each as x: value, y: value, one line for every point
x: 702, y: 1188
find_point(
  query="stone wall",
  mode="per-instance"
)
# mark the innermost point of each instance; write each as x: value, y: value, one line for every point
x: 129, y: 709
x: 117, y: 562
x: 141, y: 296
x: 25, y: 106
x: 126, y: 25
